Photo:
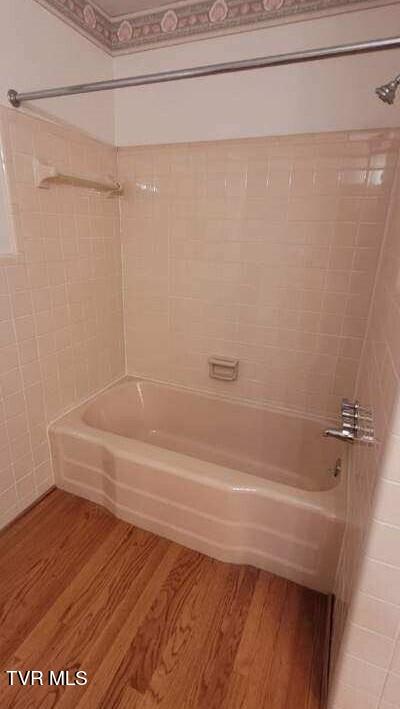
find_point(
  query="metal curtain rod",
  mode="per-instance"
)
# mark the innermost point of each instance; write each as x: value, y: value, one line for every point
x: 307, y: 55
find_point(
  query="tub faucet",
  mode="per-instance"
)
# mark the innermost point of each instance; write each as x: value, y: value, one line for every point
x: 357, y: 424
x: 342, y: 435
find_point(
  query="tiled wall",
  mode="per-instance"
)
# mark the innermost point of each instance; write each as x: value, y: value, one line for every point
x: 264, y: 250
x: 61, y: 334
x: 368, y: 663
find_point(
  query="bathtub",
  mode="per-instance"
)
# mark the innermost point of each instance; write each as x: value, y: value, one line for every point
x: 238, y: 482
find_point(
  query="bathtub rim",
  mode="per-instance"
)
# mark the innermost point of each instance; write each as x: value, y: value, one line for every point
x: 209, y: 394
x: 330, y: 502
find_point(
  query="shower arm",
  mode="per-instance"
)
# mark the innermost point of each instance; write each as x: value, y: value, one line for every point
x: 374, y: 45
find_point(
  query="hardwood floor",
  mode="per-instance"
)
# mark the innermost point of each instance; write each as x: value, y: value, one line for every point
x: 151, y: 623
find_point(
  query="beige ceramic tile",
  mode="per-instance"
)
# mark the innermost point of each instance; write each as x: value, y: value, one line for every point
x: 265, y: 244
x: 60, y: 300
x: 372, y: 536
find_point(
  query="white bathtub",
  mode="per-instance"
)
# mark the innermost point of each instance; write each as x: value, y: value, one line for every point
x: 238, y: 482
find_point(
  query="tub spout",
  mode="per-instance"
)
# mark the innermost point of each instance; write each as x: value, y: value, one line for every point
x: 342, y: 435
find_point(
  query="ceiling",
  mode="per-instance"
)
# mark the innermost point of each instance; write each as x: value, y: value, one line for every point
x: 126, y: 26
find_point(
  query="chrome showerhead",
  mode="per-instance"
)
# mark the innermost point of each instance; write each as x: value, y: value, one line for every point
x: 387, y: 92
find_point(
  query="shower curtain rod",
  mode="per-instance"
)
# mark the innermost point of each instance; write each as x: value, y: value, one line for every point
x: 307, y: 55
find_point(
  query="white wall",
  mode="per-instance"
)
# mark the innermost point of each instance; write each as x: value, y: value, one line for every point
x: 37, y: 50
x: 331, y: 95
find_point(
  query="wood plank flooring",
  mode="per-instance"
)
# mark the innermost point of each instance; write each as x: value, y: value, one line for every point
x: 153, y: 624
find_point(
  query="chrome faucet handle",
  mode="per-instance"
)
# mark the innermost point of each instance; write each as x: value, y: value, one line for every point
x: 348, y: 419
x: 349, y: 416
x: 349, y: 425
x: 348, y: 411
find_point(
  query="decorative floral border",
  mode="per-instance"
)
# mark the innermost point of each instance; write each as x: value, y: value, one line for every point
x: 188, y: 20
